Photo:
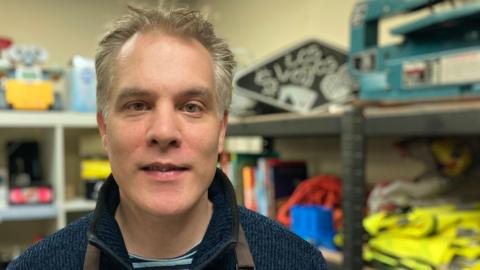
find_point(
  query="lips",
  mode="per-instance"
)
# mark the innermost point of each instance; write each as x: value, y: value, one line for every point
x: 163, y: 167
x: 164, y: 172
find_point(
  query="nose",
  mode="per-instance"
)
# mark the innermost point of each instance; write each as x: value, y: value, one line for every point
x: 163, y: 129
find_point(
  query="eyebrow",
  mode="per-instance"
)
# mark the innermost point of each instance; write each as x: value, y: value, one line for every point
x: 129, y: 93
x: 200, y: 92
x: 132, y: 93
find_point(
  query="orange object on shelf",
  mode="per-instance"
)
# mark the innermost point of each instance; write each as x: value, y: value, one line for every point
x: 324, y: 190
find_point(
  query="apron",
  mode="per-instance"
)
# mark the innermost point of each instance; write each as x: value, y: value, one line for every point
x: 242, y: 254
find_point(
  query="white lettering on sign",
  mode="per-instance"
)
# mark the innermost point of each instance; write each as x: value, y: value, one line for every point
x: 269, y: 84
x: 300, y: 69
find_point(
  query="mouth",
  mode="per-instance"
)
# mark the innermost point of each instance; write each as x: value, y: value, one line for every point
x: 163, y: 167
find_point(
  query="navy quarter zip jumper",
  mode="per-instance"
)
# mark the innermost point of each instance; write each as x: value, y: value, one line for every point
x: 271, y: 245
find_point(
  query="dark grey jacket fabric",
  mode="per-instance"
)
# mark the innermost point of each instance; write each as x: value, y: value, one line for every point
x: 272, y: 246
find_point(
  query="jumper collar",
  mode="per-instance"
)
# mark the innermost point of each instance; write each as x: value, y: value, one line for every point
x: 105, y: 234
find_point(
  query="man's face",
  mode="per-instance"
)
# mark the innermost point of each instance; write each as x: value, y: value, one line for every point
x: 163, y: 132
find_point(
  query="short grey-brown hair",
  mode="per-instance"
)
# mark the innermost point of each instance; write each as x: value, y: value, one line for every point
x: 180, y: 21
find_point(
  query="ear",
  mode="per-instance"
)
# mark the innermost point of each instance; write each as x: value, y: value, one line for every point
x: 102, y: 128
x: 223, y: 131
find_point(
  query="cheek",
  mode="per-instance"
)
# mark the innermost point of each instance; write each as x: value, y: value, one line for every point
x: 121, y: 146
x: 121, y: 140
x: 206, y: 142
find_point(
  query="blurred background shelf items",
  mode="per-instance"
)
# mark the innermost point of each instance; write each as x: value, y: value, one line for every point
x: 353, y: 123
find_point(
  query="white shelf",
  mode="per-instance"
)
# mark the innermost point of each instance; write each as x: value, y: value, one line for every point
x: 79, y: 205
x: 28, y: 212
x: 47, y: 119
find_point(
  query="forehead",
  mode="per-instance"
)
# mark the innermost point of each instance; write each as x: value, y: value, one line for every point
x: 163, y: 61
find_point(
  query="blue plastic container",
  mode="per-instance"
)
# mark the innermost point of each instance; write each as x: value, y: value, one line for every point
x: 314, y: 224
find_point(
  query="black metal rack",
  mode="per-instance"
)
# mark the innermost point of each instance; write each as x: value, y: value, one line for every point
x: 355, y: 126
x: 353, y: 177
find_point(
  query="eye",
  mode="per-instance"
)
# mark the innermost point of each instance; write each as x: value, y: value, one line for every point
x: 136, y: 106
x: 192, y: 108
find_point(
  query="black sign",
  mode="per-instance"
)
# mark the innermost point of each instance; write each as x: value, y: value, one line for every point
x: 300, y: 79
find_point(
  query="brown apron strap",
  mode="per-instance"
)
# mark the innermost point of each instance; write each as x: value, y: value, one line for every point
x: 242, y: 252
x: 92, y: 258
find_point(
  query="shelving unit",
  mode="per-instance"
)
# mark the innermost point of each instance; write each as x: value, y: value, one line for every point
x: 52, y: 126
x: 291, y: 125
x: 355, y: 127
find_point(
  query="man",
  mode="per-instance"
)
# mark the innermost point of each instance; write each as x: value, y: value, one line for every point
x: 164, y: 87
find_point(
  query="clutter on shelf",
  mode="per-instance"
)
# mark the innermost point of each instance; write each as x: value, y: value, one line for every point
x: 82, y: 83
x: 433, y: 220
x: 27, y: 184
x: 94, y: 172
x: 314, y: 211
x: 280, y: 189
x: 26, y: 84
x: 441, y: 237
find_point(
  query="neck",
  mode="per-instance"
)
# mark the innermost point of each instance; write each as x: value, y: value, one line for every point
x: 163, y: 237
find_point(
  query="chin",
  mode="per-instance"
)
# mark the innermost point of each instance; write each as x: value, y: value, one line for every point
x: 168, y: 207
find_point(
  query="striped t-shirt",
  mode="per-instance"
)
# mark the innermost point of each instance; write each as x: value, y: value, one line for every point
x: 183, y: 262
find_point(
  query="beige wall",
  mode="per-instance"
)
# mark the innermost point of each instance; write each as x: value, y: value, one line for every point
x: 63, y: 27
x: 262, y: 27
